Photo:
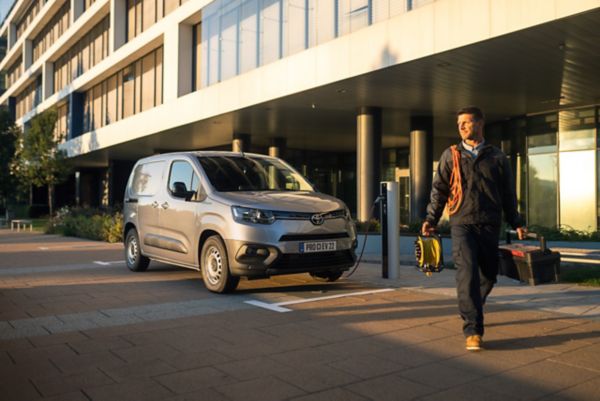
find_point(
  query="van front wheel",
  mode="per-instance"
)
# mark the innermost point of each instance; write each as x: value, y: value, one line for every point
x: 215, y: 266
x: 133, y: 253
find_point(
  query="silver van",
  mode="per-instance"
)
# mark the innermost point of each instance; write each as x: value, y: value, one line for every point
x: 233, y: 215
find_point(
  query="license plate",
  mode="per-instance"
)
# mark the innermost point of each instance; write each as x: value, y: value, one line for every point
x: 323, y: 246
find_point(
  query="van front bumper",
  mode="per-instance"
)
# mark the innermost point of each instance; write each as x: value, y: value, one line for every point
x: 263, y: 260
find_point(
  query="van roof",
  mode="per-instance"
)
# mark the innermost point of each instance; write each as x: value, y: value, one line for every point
x: 201, y: 153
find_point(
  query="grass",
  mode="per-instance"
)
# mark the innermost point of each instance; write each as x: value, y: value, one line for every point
x: 589, y: 275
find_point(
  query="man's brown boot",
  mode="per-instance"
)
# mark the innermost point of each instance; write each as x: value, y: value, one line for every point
x: 474, y: 343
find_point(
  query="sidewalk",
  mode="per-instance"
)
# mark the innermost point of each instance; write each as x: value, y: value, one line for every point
x: 75, y: 324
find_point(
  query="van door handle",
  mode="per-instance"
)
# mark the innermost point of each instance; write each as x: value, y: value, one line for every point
x: 155, y: 204
x: 165, y: 205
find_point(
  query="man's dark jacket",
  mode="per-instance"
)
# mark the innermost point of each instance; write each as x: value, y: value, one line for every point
x: 487, y: 186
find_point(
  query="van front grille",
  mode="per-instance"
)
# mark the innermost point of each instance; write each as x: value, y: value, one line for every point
x: 312, y: 237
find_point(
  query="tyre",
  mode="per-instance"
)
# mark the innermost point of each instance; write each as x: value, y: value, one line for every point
x: 328, y: 277
x: 215, y: 266
x: 133, y: 252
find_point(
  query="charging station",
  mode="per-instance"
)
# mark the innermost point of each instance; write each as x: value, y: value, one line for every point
x: 389, y: 197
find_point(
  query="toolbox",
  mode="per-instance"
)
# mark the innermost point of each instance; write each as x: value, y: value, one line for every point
x: 529, y: 263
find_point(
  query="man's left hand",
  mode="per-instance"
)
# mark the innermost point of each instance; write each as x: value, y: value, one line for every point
x: 522, y: 232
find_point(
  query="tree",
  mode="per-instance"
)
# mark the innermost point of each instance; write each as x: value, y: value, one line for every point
x: 37, y: 157
x: 9, y: 134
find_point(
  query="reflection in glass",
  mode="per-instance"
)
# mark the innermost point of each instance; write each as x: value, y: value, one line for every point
x: 577, y: 139
x: 542, y: 190
x: 577, y: 190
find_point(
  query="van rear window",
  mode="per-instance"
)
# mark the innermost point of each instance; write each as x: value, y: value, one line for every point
x: 147, y: 178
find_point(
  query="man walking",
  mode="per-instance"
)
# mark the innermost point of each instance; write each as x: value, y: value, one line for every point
x: 474, y: 182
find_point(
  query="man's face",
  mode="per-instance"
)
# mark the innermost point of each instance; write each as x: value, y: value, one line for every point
x: 469, y: 128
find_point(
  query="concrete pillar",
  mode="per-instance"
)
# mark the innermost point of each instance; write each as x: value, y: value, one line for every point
x: 78, y: 188
x: 27, y: 54
x: 106, y: 186
x: 47, y: 80
x: 368, y: 160
x: 277, y: 147
x: 12, y: 36
x: 178, y: 61
x: 77, y: 8
x: 240, y: 143
x: 118, y: 25
x: 76, y: 101
x: 421, y: 166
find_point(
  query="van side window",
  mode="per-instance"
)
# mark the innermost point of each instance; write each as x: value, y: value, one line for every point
x: 182, y: 172
x: 146, y: 179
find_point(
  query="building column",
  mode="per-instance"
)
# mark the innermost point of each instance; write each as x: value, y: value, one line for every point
x: 178, y: 61
x: 77, y: 8
x: 27, y: 54
x: 118, y: 25
x: 421, y: 166
x: 368, y: 160
x: 240, y: 143
x: 47, y: 80
x: 277, y: 147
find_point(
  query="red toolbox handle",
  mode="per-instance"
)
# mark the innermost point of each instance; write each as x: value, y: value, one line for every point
x: 509, y: 233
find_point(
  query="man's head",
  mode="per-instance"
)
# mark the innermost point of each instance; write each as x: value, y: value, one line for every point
x: 470, y: 121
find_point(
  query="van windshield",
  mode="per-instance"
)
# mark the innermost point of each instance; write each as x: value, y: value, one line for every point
x: 244, y: 173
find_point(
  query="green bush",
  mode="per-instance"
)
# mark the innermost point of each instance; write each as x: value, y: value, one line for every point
x: 100, y: 225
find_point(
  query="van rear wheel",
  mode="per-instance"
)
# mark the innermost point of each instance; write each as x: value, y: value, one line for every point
x: 133, y: 252
x: 215, y: 266
x: 326, y: 276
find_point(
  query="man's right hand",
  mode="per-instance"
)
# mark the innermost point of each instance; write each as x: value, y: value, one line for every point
x: 427, y: 229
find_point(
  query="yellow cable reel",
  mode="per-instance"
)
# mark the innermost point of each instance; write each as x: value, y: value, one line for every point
x: 429, y: 254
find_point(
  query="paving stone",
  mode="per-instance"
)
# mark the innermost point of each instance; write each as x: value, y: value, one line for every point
x: 390, y: 387
x: 440, y: 376
x: 138, y: 370
x: 467, y: 392
x: 193, y: 380
x: 585, y: 357
x: 316, y: 377
x: 18, y: 389
x: 263, y: 389
x: 61, y: 338
x: 74, y: 396
x: 536, y: 380
x: 77, y: 363
x: 252, y: 368
x: 60, y: 384
x: 587, y: 391
x: 309, y: 356
x: 206, y: 394
x: 87, y: 346
x: 336, y: 394
x: 366, y: 367
x: 145, y: 353
x: 130, y: 390
x: 191, y: 360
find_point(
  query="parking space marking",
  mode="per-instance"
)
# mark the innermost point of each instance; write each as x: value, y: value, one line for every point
x: 278, y: 306
x: 114, y: 262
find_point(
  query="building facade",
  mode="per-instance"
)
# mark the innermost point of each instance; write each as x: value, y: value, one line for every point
x: 350, y: 92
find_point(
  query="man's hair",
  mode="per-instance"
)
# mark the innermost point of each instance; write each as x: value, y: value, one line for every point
x: 474, y: 110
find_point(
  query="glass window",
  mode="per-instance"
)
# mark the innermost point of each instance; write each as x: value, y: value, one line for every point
x: 353, y: 15
x: 542, y: 180
x: 294, y: 26
x: 544, y: 143
x: 159, y: 76
x: 234, y: 173
x: 248, y: 35
x: 577, y: 190
x: 128, y: 90
x: 183, y: 173
x: 229, y: 40
x: 270, y: 31
x: 111, y: 100
x: 325, y: 20
x: 577, y: 139
x: 197, y: 50
x: 149, y: 17
x: 146, y: 179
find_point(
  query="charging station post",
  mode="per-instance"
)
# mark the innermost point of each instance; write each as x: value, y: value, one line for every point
x: 390, y: 224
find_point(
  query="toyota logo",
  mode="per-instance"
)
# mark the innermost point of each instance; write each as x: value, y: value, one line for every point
x: 317, y: 219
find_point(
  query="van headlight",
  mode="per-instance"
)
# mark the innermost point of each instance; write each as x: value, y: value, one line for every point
x: 250, y: 215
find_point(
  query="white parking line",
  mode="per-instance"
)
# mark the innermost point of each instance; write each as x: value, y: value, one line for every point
x: 277, y: 307
x: 101, y: 263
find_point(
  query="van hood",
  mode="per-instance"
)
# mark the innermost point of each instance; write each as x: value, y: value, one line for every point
x: 301, y: 201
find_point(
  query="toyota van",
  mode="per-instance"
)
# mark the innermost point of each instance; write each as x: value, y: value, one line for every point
x: 233, y: 215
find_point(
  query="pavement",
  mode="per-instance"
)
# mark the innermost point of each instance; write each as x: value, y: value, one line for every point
x: 75, y: 324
